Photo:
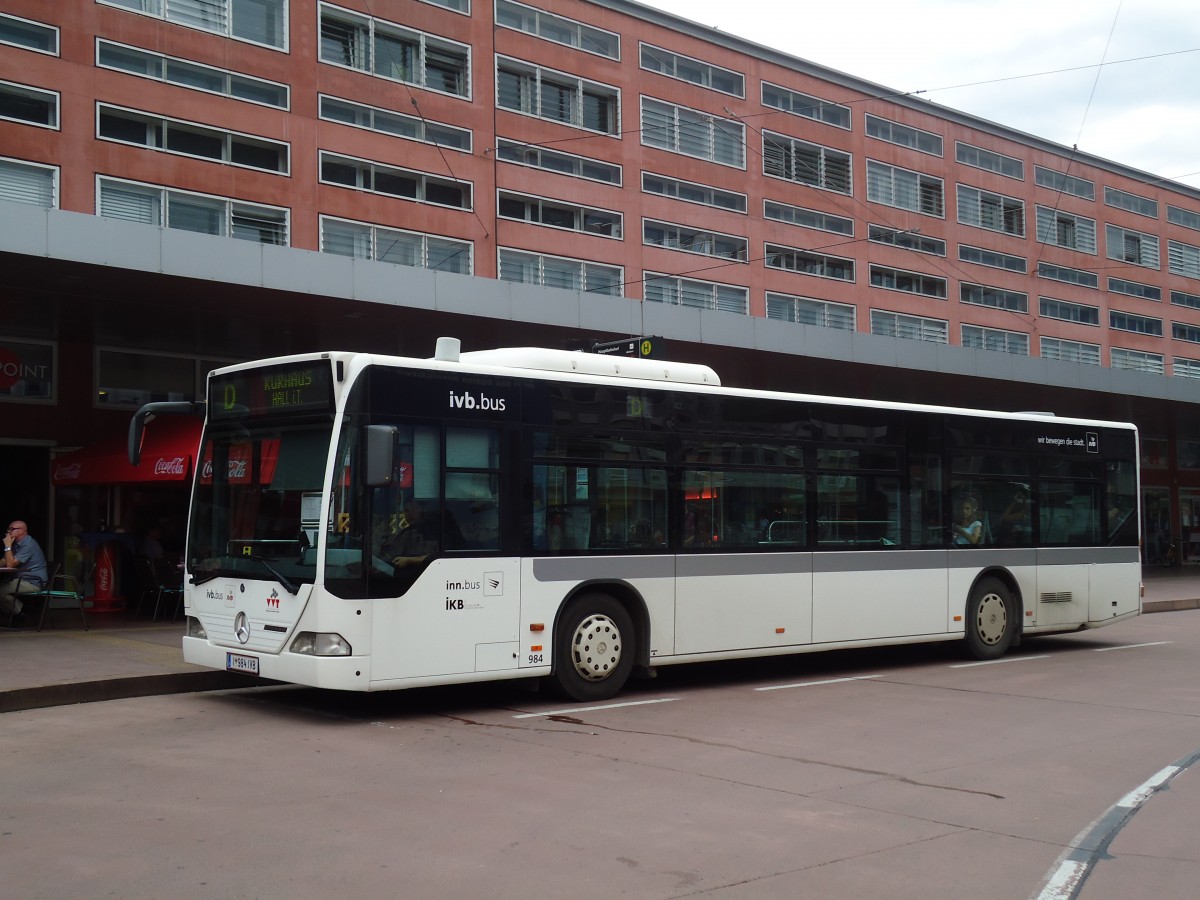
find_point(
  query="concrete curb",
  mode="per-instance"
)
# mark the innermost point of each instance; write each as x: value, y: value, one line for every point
x: 1155, y: 606
x: 122, y: 689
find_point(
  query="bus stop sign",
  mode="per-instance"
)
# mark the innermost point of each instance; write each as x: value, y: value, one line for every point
x: 637, y: 347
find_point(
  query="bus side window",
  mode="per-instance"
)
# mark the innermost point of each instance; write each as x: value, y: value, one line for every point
x: 472, y: 499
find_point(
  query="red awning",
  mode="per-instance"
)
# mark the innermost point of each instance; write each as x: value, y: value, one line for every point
x: 168, y: 451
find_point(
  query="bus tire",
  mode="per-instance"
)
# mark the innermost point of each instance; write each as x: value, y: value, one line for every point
x: 991, y: 620
x: 595, y: 647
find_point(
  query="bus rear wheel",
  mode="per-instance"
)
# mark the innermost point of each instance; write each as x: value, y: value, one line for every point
x: 594, y: 648
x: 991, y: 620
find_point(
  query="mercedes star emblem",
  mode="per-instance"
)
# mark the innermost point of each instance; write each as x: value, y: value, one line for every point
x: 241, y: 628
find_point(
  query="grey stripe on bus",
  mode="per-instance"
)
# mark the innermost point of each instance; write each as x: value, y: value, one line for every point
x: 550, y: 569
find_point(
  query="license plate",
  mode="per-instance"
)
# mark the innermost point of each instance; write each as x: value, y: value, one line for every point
x: 236, y: 662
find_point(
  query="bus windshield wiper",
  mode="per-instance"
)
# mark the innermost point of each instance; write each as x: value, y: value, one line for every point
x: 288, y: 584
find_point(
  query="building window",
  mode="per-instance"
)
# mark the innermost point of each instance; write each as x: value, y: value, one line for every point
x: 904, y: 135
x: 406, y: 248
x: 1185, y: 368
x: 1070, y: 351
x: 557, y: 214
x: 1068, y: 275
x: 397, y: 124
x: 805, y: 163
x: 364, y: 175
x: 1136, y: 360
x: 149, y: 204
x: 126, y: 379
x: 192, y: 75
x: 390, y: 51
x: 993, y: 258
x: 557, y: 161
x: 258, y: 21
x: 995, y: 339
x: 908, y: 282
x: 693, y: 240
x: 1143, y: 206
x: 997, y: 298
x: 558, y: 271
x: 1065, y: 184
x: 903, y: 189
x: 685, y: 68
x: 789, y: 259
x: 1183, y: 259
x: 988, y: 160
x: 1069, y: 312
x: 1063, y: 229
x: 911, y: 328
x: 1134, y: 289
x: 26, y: 182
x: 805, y: 105
x: 1184, y: 217
x: 995, y: 212
x: 682, y: 130
x: 188, y: 139
x: 908, y: 240
x: 1124, y: 321
x: 556, y: 96
x: 693, y: 193
x: 1180, y: 298
x: 808, y: 311
x: 679, y: 291
x: 1134, y: 247
x: 459, y: 6
x: 28, y: 35
x: 28, y: 105
x: 558, y: 29
x: 807, y: 218
x: 1181, y: 331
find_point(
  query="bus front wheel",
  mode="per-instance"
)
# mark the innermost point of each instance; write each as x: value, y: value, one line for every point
x: 594, y: 648
x: 991, y: 620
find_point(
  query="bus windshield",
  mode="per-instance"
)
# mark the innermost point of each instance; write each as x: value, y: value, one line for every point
x: 257, y: 503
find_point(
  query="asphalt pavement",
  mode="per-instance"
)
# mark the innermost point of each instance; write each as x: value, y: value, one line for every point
x: 122, y: 656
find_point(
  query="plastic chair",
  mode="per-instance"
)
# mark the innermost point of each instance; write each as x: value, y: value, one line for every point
x: 61, y: 588
x: 168, y: 581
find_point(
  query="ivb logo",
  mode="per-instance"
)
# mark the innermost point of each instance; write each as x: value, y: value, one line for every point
x: 482, y: 402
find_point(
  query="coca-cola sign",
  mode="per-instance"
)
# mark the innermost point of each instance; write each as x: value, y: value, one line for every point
x: 173, y: 466
x: 68, y: 472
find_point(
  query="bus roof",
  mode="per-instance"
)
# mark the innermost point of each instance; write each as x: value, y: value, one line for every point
x: 580, y: 363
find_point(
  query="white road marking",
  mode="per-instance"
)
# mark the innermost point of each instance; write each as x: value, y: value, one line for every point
x: 781, y: 687
x: 993, y: 662
x: 1139, y: 795
x: 1131, y: 646
x: 1064, y: 882
x: 570, y: 711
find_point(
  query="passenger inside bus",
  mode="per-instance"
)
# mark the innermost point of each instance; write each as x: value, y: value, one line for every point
x: 968, y: 529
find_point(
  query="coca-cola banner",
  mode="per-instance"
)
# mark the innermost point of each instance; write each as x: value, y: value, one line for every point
x: 26, y: 370
x: 168, y: 451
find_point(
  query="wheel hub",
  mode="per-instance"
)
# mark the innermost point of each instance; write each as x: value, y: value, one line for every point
x: 596, y: 647
x: 992, y: 621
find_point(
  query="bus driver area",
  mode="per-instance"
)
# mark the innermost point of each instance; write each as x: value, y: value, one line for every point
x: 527, y: 512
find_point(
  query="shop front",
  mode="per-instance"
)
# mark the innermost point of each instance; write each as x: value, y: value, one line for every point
x: 109, y: 513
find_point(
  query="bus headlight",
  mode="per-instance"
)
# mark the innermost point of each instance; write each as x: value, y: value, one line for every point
x: 312, y: 643
x: 194, y: 628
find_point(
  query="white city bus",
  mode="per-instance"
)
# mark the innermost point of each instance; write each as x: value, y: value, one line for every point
x: 363, y: 522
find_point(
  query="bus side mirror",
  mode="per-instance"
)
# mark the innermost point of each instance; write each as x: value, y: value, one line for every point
x: 381, y: 444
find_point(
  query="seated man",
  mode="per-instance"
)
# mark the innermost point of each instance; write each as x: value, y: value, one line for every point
x: 415, y: 538
x: 24, y: 556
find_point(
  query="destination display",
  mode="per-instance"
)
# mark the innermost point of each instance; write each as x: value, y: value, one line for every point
x: 278, y: 390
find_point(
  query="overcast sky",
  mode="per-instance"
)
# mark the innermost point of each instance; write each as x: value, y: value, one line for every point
x: 1033, y: 65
